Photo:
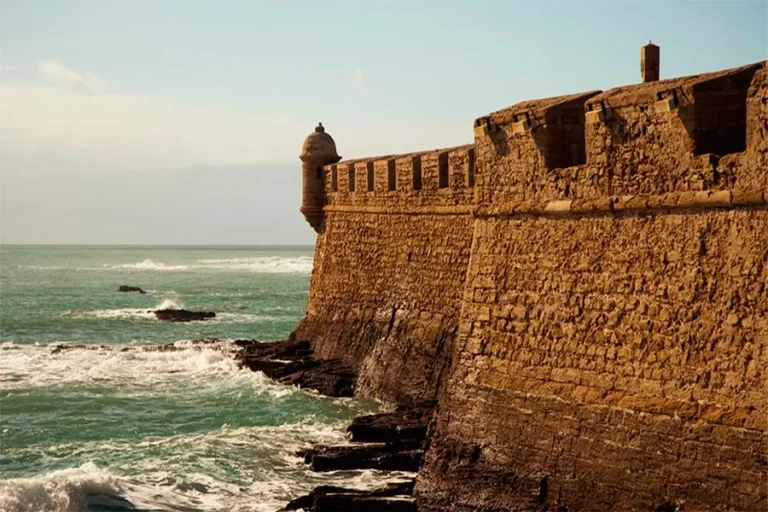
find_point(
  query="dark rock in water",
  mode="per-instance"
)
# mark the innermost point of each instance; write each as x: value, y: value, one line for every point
x: 101, y: 502
x: 125, y: 288
x: 404, y: 424
x: 291, y: 362
x: 193, y: 486
x: 392, y: 498
x: 63, y: 347
x: 182, y: 315
x: 383, y: 456
x: 392, y: 441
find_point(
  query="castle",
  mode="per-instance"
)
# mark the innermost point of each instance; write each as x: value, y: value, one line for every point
x: 584, y: 290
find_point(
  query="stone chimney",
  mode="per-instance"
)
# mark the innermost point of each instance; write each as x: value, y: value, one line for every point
x: 650, y: 58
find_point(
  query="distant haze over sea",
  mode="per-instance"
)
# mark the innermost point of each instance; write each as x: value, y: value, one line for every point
x: 235, y: 204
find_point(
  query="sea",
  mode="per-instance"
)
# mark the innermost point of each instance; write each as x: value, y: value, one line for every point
x: 97, y: 413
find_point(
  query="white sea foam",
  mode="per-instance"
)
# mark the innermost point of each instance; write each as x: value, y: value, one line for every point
x: 261, y: 265
x: 265, y: 264
x: 243, y: 318
x: 176, y: 472
x: 114, y: 314
x: 169, y: 481
x: 43, y: 267
x: 148, y: 264
x: 171, y: 304
x: 64, y: 490
x: 149, y: 315
x: 138, y: 369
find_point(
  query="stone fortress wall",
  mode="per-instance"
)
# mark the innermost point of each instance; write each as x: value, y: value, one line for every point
x: 390, y: 267
x: 584, y: 289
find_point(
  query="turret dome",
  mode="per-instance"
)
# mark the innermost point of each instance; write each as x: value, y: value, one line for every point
x: 319, y: 146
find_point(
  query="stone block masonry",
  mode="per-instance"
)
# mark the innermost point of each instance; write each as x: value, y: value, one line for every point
x: 621, y: 359
x: 584, y: 290
x: 383, y: 297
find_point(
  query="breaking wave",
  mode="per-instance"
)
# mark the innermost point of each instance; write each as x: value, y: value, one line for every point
x: 261, y: 265
x: 266, y: 264
x: 255, y: 467
x: 168, y: 482
x: 149, y: 315
x: 62, y: 490
x: 114, y: 314
x: 148, y: 264
x: 137, y: 366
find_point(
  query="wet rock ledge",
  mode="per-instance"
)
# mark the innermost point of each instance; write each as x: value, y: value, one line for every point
x: 395, y: 497
x: 390, y: 441
x: 291, y: 362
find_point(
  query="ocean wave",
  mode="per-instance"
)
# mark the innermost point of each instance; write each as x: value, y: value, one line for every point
x: 149, y: 315
x: 171, y: 304
x: 148, y: 264
x: 261, y: 264
x: 64, y: 490
x: 114, y: 314
x: 244, y: 318
x: 264, y: 264
x: 138, y: 368
x: 178, y: 473
x: 43, y: 267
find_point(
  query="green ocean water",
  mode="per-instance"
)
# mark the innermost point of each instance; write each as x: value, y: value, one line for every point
x: 119, y: 420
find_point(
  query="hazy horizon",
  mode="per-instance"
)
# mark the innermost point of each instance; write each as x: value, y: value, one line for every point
x: 181, y: 122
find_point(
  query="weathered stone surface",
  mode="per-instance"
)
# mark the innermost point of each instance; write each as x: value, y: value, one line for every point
x: 182, y: 315
x: 617, y: 349
x: 590, y: 309
x: 384, y: 299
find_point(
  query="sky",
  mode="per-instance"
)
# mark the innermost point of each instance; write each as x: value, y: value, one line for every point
x: 180, y: 121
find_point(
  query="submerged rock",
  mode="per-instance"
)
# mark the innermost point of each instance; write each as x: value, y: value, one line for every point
x: 126, y: 288
x: 182, y: 315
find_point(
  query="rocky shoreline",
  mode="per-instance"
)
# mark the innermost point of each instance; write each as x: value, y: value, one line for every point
x: 389, y: 441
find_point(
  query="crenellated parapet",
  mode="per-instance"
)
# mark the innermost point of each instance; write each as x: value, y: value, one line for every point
x: 519, y: 147
x: 668, y: 135
x: 440, y: 178
x: 695, y: 133
x: 650, y: 138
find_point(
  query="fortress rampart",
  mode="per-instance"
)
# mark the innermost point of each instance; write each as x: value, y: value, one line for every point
x: 584, y: 289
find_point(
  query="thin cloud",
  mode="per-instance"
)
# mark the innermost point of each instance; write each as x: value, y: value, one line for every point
x: 359, y: 80
x: 59, y: 129
x: 354, y: 80
x: 56, y: 72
